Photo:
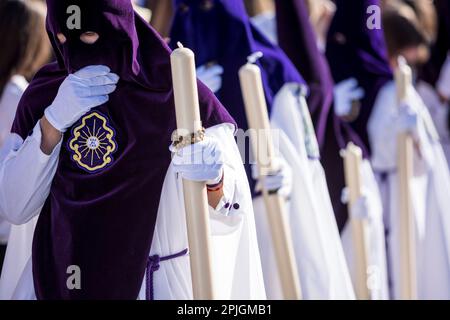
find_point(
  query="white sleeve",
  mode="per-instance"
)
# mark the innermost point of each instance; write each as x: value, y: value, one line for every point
x: 26, y: 174
x: 224, y: 133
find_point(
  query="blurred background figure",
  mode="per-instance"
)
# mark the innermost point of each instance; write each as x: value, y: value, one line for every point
x: 263, y: 17
x: 162, y: 15
x: 357, y: 56
x: 321, y: 14
x: 434, y: 75
x: 25, y: 48
x: 409, y: 31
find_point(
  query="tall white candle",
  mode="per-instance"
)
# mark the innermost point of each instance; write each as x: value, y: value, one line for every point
x: 352, y: 167
x: 408, y: 281
x: 258, y: 119
x: 195, y: 197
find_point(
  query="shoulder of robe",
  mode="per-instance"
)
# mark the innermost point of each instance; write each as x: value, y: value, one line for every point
x: 212, y: 112
x: 37, y: 97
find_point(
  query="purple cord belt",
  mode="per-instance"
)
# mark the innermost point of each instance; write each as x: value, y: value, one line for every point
x: 153, y: 266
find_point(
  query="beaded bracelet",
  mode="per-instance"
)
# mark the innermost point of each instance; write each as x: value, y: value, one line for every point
x: 183, y: 141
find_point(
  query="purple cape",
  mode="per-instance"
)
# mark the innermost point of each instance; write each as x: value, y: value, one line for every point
x: 102, y: 218
x: 353, y: 50
x: 298, y: 40
x: 221, y: 32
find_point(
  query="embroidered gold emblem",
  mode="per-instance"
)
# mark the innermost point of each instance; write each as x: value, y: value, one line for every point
x: 93, y: 143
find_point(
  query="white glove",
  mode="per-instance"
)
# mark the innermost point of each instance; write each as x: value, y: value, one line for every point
x: 360, y: 209
x: 280, y: 181
x: 345, y: 92
x: 79, y: 93
x: 201, y: 161
x: 408, y: 121
x: 211, y: 76
x: 443, y: 84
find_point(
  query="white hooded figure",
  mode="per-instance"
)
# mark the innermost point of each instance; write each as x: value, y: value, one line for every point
x: 430, y: 189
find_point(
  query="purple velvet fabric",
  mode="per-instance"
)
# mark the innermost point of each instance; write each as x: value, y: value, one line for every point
x: 297, y: 38
x: 353, y: 50
x: 103, y: 221
x: 220, y: 31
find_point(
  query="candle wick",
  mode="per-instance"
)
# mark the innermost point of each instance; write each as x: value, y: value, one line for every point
x: 180, y: 45
x: 255, y: 56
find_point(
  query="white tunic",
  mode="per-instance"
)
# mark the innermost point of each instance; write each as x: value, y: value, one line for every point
x: 430, y: 194
x: 236, y: 263
x: 319, y: 255
x: 9, y: 100
x: 439, y: 113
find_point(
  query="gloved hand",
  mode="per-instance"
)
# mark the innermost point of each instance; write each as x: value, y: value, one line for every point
x: 202, y: 161
x: 211, y: 76
x: 443, y: 84
x: 360, y: 209
x: 408, y: 121
x: 79, y: 93
x: 345, y: 92
x: 280, y: 180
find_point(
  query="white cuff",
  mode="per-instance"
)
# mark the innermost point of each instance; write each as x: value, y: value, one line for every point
x: 226, y: 205
x: 37, y: 137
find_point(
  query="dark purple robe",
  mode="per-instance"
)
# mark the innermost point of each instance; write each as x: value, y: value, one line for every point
x: 103, y: 220
x: 297, y: 38
x: 353, y: 50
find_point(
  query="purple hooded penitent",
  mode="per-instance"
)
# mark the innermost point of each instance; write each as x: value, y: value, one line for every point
x: 219, y: 31
x: 101, y: 211
x: 354, y: 51
x: 298, y: 40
